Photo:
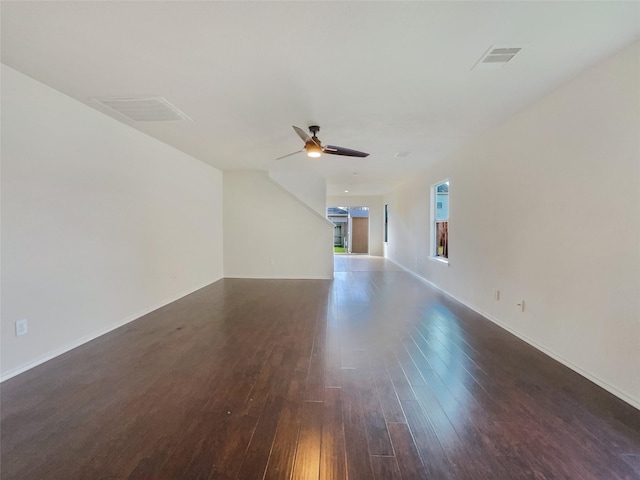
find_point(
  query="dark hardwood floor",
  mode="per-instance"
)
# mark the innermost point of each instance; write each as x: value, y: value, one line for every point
x: 371, y: 376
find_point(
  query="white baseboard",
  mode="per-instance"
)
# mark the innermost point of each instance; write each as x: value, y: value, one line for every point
x: 281, y: 277
x: 92, y: 336
x: 567, y: 363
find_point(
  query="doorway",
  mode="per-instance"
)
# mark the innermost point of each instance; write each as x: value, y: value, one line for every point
x: 360, y: 235
x: 350, y: 229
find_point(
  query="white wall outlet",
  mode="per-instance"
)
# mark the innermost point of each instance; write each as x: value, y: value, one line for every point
x: 521, y: 305
x: 496, y: 294
x: 21, y: 327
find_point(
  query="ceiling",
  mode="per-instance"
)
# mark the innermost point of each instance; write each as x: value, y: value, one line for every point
x: 381, y: 77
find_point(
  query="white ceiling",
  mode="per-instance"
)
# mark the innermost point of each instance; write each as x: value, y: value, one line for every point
x: 381, y: 77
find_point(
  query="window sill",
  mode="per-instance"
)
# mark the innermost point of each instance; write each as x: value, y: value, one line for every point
x: 440, y: 260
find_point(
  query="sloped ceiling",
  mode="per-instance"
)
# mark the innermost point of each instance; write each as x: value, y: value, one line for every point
x: 382, y: 77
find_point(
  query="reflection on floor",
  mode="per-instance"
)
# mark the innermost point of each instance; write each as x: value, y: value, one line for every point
x: 363, y: 263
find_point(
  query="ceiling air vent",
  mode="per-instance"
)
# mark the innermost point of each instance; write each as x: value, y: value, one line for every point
x: 496, y: 57
x: 143, y: 109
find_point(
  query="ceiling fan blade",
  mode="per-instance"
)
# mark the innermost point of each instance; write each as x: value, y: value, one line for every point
x: 289, y: 154
x: 302, y: 134
x: 347, y: 152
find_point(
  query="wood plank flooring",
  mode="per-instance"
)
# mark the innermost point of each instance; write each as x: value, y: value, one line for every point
x: 373, y: 375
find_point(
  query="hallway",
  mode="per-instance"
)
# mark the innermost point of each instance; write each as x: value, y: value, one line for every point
x: 373, y: 375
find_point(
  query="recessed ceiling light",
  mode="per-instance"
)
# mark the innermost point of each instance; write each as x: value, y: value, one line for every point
x: 346, y: 191
x: 402, y: 154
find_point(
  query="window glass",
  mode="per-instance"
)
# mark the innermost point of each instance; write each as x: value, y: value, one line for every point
x: 441, y: 223
x: 386, y: 222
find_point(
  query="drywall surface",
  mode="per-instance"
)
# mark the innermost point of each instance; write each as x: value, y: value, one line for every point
x: 376, y: 217
x: 268, y: 233
x: 309, y: 188
x: 100, y: 223
x: 546, y: 208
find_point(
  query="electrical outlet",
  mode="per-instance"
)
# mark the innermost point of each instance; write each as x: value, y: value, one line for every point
x: 21, y: 327
x: 496, y: 294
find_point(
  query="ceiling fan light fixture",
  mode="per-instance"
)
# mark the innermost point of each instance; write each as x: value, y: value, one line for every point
x: 313, y: 150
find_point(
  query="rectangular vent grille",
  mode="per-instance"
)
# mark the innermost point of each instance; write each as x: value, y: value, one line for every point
x: 143, y: 109
x: 496, y: 57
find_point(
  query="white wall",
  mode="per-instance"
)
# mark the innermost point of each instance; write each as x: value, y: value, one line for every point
x: 546, y: 208
x: 100, y: 223
x: 269, y: 233
x: 376, y: 217
x: 307, y: 187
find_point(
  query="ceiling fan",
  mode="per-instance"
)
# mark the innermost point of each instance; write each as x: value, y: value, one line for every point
x: 314, y: 148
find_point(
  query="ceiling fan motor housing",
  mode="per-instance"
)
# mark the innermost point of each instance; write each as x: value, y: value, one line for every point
x: 313, y: 144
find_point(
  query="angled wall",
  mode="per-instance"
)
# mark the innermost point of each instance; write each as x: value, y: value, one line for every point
x: 307, y: 187
x: 269, y: 233
x: 546, y: 208
x: 100, y: 223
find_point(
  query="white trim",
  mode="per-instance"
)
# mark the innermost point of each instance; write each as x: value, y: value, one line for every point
x: 442, y: 260
x: 567, y: 363
x: 92, y: 336
x: 283, y: 277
